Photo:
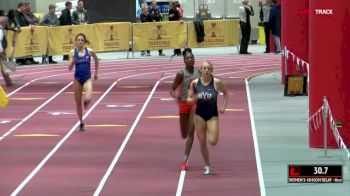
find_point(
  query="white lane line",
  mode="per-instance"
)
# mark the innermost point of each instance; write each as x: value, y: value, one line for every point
x: 59, y: 144
x: 126, y: 140
x: 181, y: 183
x: 256, y: 144
x: 34, y: 112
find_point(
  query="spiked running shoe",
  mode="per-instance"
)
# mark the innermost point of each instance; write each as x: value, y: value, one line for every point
x: 184, y: 166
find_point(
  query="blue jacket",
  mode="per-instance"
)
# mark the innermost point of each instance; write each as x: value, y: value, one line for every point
x: 275, y: 19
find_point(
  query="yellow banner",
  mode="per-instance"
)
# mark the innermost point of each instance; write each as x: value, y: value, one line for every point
x: 62, y: 38
x: 112, y: 36
x: 31, y: 41
x: 218, y: 33
x: 159, y: 35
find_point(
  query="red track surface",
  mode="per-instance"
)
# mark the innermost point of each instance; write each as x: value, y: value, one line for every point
x: 150, y: 162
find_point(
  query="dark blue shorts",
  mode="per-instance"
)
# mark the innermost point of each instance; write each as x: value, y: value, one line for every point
x: 82, y: 80
x: 205, y: 113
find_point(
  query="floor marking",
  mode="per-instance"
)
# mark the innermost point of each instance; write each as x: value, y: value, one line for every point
x: 160, y: 117
x: 106, y: 125
x: 234, y: 110
x: 167, y: 99
x: 133, y: 87
x: 256, y: 144
x: 95, y: 92
x: 4, y: 121
x: 120, y: 105
x: 61, y: 113
x: 233, y: 77
x: 27, y: 99
x: 34, y: 112
x: 49, y: 82
x: 36, y: 135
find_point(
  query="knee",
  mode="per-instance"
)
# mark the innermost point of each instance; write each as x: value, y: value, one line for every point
x: 213, y: 141
x: 183, y: 133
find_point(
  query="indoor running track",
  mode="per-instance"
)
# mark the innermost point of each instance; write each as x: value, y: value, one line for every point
x: 132, y: 145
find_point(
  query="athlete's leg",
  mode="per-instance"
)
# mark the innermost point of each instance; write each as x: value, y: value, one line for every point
x: 87, y: 92
x: 78, y: 91
x: 184, y: 120
x: 213, y: 130
x: 201, y: 129
x: 190, y: 134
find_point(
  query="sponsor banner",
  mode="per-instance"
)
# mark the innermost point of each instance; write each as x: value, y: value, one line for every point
x: 218, y: 33
x: 112, y: 36
x: 62, y: 38
x: 159, y: 35
x: 31, y: 41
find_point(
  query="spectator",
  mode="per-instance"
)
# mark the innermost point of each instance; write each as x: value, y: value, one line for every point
x: 66, y: 19
x: 12, y: 23
x: 156, y: 17
x: 3, y: 46
x: 264, y: 17
x: 275, y: 24
x: 50, y: 19
x: 23, y: 21
x: 31, y: 18
x: 179, y: 8
x: 80, y: 16
x: 145, y: 17
x: 20, y: 17
x: 174, y: 15
x: 245, y: 11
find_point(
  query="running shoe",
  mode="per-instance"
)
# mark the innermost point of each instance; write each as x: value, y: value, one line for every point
x: 81, y: 127
x: 207, y: 170
x: 86, y: 104
x: 184, y: 166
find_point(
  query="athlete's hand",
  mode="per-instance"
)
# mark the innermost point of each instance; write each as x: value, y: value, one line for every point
x: 222, y: 110
x: 95, y: 77
x: 70, y: 67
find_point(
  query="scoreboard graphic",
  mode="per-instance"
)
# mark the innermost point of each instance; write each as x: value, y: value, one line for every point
x: 315, y: 174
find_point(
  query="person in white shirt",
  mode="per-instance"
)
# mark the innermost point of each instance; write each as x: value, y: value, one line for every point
x: 245, y: 11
